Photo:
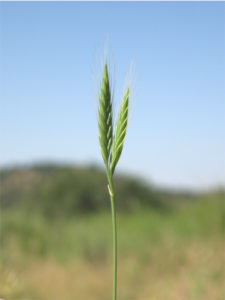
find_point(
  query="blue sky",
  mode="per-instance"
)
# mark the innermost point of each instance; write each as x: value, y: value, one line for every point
x: 51, y: 54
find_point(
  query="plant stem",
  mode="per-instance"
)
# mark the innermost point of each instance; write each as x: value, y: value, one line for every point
x: 113, y: 210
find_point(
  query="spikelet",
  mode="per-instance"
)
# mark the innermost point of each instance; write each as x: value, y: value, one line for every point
x: 105, y: 127
x: 120, y: 132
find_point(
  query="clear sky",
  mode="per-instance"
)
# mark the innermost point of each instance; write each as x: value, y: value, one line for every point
x: 50, y: 54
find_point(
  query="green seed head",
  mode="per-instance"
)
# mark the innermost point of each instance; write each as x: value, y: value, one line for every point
x: 111, y: 146
x: 105, y: 128
x: 120, y: 132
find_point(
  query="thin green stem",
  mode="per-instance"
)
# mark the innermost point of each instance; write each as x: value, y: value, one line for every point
x: 111, y: 193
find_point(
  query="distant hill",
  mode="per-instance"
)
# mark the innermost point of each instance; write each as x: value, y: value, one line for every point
x: 56, y: 190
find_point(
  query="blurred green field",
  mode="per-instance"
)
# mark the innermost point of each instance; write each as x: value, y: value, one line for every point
x: 172, y: 253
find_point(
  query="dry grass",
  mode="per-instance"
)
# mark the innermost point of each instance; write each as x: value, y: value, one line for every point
x: 175, y: 255
x: 177, y: 272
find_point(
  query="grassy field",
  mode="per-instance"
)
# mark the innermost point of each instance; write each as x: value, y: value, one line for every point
x: 163, y: 255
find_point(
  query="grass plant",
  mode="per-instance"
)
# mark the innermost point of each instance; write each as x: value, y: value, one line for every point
x: 111, y: 146
x: 180, y: 251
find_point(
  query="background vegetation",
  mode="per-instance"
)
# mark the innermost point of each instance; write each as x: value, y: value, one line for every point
x: 56, y: 238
